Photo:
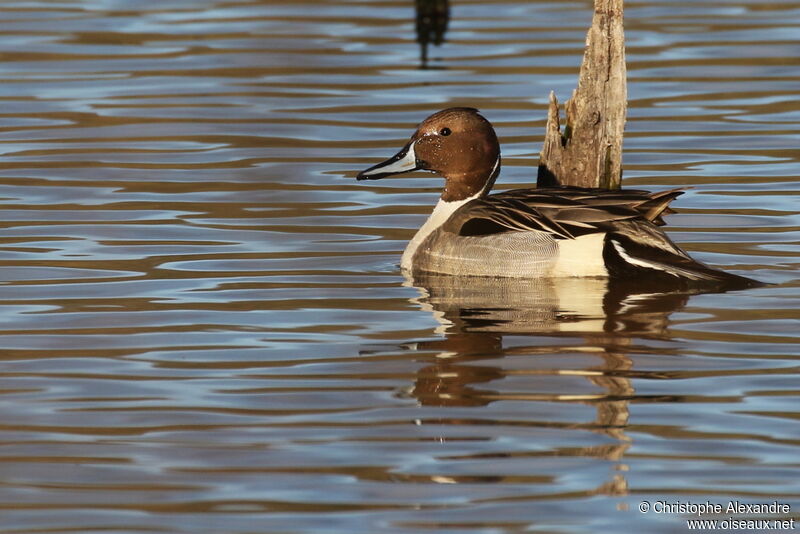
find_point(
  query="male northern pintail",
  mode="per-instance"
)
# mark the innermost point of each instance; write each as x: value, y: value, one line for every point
x: 532, y: 233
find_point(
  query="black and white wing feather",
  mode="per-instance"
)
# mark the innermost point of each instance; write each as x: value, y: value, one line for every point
x: 635, y: 248
x: 565, y: 213
x: 634, y: 245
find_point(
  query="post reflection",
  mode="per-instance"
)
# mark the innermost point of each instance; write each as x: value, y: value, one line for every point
x: 592, y: 318
x: 432, y: 17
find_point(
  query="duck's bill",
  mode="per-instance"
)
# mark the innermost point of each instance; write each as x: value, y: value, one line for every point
x: 403, y: 161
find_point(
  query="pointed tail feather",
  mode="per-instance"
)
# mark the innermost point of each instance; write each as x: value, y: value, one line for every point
x: 658, y: 205
x: 630, y: 260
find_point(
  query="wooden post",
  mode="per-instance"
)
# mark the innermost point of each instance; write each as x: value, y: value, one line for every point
x: 589, y: 151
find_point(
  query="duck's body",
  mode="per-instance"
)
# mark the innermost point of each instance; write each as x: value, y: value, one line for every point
x: 530, y: 233
x: 533, y: 233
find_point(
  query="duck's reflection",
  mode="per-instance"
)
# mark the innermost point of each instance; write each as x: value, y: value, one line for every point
x: 569, y: 316
x: 432, y: 17
x: 589, y: 306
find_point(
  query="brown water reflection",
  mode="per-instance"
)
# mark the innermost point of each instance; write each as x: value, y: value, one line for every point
x: 202, y: 323
x: 476, y: 313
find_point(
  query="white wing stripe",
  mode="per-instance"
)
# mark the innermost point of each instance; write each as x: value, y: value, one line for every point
x: 673, y: 270
x: 636, y: 261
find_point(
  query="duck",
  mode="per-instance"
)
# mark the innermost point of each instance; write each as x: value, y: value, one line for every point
x: 551, y: 232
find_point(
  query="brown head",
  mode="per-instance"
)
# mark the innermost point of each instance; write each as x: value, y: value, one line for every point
x: 457, y: 143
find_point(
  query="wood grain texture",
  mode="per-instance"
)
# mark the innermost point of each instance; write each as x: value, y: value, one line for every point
x: 588, y: 153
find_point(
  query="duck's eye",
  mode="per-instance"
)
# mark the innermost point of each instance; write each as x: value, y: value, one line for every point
x: 444, y: 131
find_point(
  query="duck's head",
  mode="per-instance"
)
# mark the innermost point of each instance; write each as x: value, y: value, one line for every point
x: 457, y: 143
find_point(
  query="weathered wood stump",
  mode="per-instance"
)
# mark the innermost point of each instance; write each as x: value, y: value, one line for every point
x: 589, y: 151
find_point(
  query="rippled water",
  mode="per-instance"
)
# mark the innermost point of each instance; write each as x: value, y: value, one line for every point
x: 202, y: 321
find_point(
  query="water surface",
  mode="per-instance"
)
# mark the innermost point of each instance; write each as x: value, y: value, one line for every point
x: 204, y: 327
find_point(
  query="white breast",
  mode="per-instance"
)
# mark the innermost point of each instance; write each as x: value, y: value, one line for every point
x: 441, y: 213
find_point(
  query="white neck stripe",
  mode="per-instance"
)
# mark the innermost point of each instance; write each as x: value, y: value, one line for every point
x: 441, y: 213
